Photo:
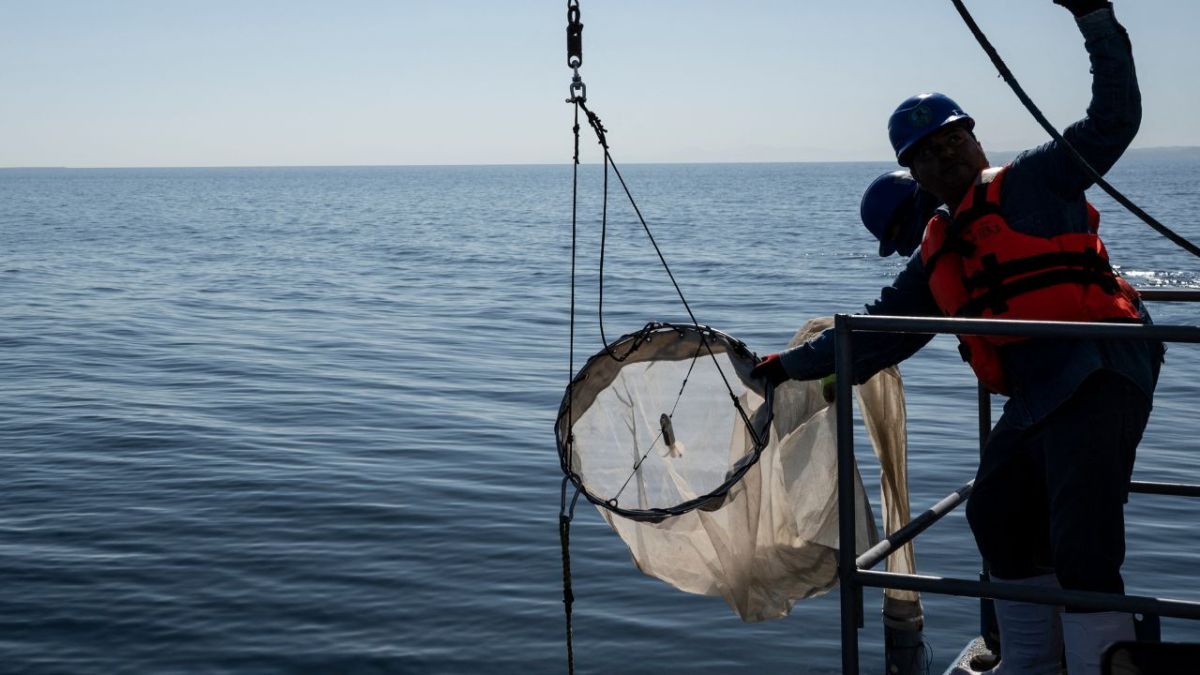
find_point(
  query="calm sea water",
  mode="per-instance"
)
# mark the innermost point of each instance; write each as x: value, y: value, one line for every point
x: 300, y: 420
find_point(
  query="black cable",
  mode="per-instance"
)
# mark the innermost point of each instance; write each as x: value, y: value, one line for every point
x: 574, y: 60
x: 564, y: 520
x: 571, y: 339
x: 594, y: 121
x: 601, y: 136
x: 603, y: 240
x: 638, y: 464
x: 1041, y: 119
x: 565, y: 515
x: 564, y: 537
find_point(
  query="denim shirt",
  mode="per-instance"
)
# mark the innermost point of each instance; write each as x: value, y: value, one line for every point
x: 1043, y: 195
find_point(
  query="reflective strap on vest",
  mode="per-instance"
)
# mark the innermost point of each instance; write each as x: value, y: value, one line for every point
x: 996, y: 300
x: 979, y: 203
x: 996, y: 273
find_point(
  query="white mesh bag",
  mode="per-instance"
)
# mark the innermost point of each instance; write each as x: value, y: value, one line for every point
x: 707, y: 500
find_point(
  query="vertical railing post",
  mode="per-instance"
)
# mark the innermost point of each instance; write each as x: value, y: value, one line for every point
x: 843, y: 368
x: 988, y: 629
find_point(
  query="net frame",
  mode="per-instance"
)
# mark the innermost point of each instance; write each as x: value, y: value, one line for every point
x: 697, y: 342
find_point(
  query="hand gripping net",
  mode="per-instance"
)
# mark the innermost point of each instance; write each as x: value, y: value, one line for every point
x: 663, y: 421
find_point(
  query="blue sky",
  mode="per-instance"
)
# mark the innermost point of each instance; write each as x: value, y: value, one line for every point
x: 274, y: 82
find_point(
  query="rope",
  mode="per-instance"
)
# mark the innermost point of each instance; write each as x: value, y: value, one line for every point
x: 574, y: 229
x: 598, y: 127
x: 574, y: 60
x: 565, y: 515
x: 578, y: 98
x: 578, y: 92
x: 638, y: 464
x: 1079, y: 159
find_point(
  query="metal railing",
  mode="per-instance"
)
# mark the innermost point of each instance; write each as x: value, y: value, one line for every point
x: 854, y: 572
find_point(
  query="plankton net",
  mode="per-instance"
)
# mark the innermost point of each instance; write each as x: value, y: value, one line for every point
x: 677, y: 445
x: 667, y: 433
x: 648, y: 429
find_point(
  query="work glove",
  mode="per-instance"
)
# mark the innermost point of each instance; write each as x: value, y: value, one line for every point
x: 771, y: 369
x: 829, y: 388
x: 1081, y: 7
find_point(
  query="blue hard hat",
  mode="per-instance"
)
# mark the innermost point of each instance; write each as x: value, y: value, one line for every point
x: 921, y: 115
x: 894, y: 201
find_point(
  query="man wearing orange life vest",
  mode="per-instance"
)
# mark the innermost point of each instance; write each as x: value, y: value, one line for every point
x: 1021, y: 242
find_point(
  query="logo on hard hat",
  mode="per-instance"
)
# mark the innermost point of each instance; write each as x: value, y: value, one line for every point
x: 920, y: 116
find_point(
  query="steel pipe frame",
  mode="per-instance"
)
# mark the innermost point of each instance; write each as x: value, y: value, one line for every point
x: 1182, y: 609
x: 1169, y: 295
x: 1177, y: 489
x: 852, y: 579
x: 851, y: 608
x: 1018, y: 328
x: 877, y: 553
x: 874, y: 555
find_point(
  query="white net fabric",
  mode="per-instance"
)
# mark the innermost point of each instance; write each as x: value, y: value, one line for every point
x: 658, y: 432
x: 773, y: 538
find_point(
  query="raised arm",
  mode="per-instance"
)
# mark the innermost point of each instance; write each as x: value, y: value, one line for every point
x: 1115, y: 111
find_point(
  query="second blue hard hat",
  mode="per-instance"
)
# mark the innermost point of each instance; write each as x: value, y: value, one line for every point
x: 895, y: 209
x: 921, y: 115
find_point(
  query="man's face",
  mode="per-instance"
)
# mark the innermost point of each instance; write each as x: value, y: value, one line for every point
x: 947, y: 162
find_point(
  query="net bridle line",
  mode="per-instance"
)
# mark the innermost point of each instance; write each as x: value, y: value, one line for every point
x: 711, y: 337
x: 638, y: 464
x: 601, y: 137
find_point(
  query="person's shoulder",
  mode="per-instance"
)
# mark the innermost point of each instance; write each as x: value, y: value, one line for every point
x: 1028, y: 159
x: 914, y: 271
x: 1031, y: 168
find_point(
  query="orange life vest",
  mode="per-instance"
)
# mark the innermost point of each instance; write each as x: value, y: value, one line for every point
x: 978, y: 266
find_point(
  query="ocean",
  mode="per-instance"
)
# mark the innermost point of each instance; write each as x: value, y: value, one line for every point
x: 294, y: 420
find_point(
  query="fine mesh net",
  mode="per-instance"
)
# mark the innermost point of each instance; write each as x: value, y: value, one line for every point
x: 754, y: 524
x: 649, y: 427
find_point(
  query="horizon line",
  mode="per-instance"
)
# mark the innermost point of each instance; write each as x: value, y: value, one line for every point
x: 504, y: 164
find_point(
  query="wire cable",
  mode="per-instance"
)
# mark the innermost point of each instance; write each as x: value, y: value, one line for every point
x: 601, y: 135
x: 1041, y: 119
